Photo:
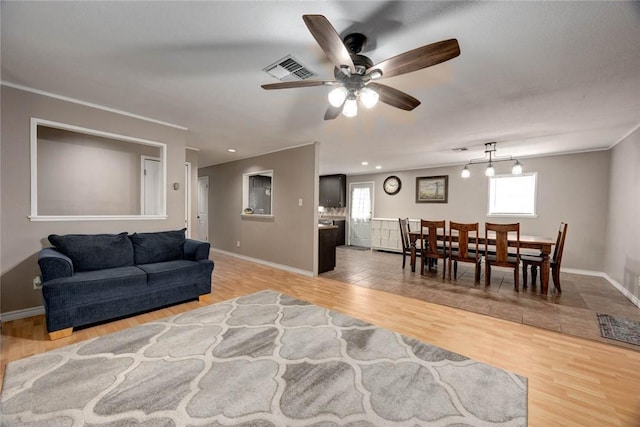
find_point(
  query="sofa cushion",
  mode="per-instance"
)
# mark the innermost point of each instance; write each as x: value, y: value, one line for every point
x: 89, y: 286
x: 158, y: 247
x: 90, y: 252
x: 174, y: 272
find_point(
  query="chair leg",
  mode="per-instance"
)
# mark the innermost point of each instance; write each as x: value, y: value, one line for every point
x: 534, y: 274
x: 525, y: 267
x: 516, y: 277
x: 455, y: 269
x: 444, y: 266
x: 477, y: 275
x: 487, y: 275
x: 555, y: 272
x: 422, y: 265
x: 450, y: 268
x: 404, y: 259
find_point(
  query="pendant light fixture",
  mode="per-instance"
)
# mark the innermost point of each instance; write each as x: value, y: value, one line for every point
x: 491, y: 158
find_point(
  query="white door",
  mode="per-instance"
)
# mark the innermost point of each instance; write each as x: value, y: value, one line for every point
x: 360, y: 213
x: 187, y: 198
x: 151, y: 199
x: 203, y: 208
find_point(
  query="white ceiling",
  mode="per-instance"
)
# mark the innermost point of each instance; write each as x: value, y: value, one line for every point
x: 538, y: 77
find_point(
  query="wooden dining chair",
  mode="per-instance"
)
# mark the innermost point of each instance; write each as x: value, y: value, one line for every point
x: 536, y: 261
x: 502, y: 256
x: 433, y: 238
x: 463, y: 251
x: 406, y: 242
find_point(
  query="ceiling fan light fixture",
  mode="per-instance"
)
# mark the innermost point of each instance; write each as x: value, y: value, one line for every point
x: 375, y: 74
x: 337, y: 96
x: 369, y: 97
x: 350, y: 108
x: 466, y: 173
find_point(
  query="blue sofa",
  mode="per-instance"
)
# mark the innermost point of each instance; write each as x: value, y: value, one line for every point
x: 88, y: 279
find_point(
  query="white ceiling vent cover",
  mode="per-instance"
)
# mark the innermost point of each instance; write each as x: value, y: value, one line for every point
x: 288, y: 69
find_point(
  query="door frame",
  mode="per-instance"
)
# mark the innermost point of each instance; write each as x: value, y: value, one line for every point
x: 373, y: 199
x: 206, y: 237
x: 187, y: 197
x: 143, y: 159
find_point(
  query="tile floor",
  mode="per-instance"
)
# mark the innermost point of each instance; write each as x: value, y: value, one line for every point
x: 572, y: 312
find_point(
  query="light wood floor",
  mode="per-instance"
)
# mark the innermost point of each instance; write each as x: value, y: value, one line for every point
x: 572, y: 381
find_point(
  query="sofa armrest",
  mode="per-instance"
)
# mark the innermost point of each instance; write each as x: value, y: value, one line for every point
x: 54, y: 264
x: 196, y: 250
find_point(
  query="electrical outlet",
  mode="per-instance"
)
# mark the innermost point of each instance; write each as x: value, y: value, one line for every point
x: 37, y: 283
x: 238, y: 244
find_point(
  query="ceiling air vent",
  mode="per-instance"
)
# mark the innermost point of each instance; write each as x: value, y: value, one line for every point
x: 288, y: 69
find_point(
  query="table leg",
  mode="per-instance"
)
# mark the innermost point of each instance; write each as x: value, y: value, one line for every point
x: 544, y: 274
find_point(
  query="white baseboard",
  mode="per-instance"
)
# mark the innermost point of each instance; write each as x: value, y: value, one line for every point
x: 624, y: 291
x: 21, y: 314
x: 267, y: 263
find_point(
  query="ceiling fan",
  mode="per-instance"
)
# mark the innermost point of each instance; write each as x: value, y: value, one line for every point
x: 356, y: 76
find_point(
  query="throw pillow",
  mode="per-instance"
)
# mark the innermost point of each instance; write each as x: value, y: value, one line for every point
x: 158, y: 247
x: 90, y: 252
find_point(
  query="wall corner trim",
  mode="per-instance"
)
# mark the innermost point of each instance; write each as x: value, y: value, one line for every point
x: 267, y: 263
x: 624, y: 291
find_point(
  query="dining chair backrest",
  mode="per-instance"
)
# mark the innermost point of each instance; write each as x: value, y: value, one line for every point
x: 429, y: 238
x: 559, y: 248
x: 463, y: 232
x: 502, y: 241
x: 404, y: 233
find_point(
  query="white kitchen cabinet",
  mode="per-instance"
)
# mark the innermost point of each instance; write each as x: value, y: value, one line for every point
x: 385, y: 233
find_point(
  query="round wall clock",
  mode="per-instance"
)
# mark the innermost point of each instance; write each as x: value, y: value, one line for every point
x: 392, y: 185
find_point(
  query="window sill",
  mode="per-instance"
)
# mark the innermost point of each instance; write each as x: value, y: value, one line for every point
x: 257, y: 217
x: 493, y: 215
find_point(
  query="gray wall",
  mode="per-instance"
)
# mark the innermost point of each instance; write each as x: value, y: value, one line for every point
x: 623, y: 226
x: 82, y: 174
x: 22, y: 238
x: 290, y: 237
x: 571, y: 188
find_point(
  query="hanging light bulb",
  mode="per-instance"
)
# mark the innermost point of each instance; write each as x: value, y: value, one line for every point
x: 490, y: 171
x: 369, y: 97
x: 337, y: 96
x: 517, y: 168
x: 466, y: 173
x: 350, y: 108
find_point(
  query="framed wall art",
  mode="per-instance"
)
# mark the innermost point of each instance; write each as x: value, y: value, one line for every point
x: 432, y: 189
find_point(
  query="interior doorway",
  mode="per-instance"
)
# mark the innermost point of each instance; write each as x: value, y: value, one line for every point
x: 151, y: 186
x: 203, y: 208
x: 360, y: 213
x: 187, y: 198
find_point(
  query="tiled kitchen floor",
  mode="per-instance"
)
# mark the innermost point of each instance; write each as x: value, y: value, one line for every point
x: 572, y: 312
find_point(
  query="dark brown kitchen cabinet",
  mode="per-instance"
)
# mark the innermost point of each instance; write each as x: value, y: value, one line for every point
x: 327, y: 248
x: 341, y: 235
x: 333, y: 191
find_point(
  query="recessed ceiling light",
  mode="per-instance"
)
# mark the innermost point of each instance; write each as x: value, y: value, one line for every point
x: 378, y: 167
x: 365, y: 163
x: 231, y: 150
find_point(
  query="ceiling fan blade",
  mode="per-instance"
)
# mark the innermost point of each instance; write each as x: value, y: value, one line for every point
x: 329, y: 40
x: 298, y: 83
x: 394, y: 97
x: 419, y: 58
x: 332, y: 112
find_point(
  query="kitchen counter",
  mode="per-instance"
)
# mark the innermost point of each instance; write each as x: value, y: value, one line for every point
x: 327, y: 247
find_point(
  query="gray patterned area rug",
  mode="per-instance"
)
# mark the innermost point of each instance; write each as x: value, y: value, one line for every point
x: 264, y: 359
x: 619, y: 329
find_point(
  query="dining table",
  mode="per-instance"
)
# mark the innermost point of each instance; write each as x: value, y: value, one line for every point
x: 542, y: 244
